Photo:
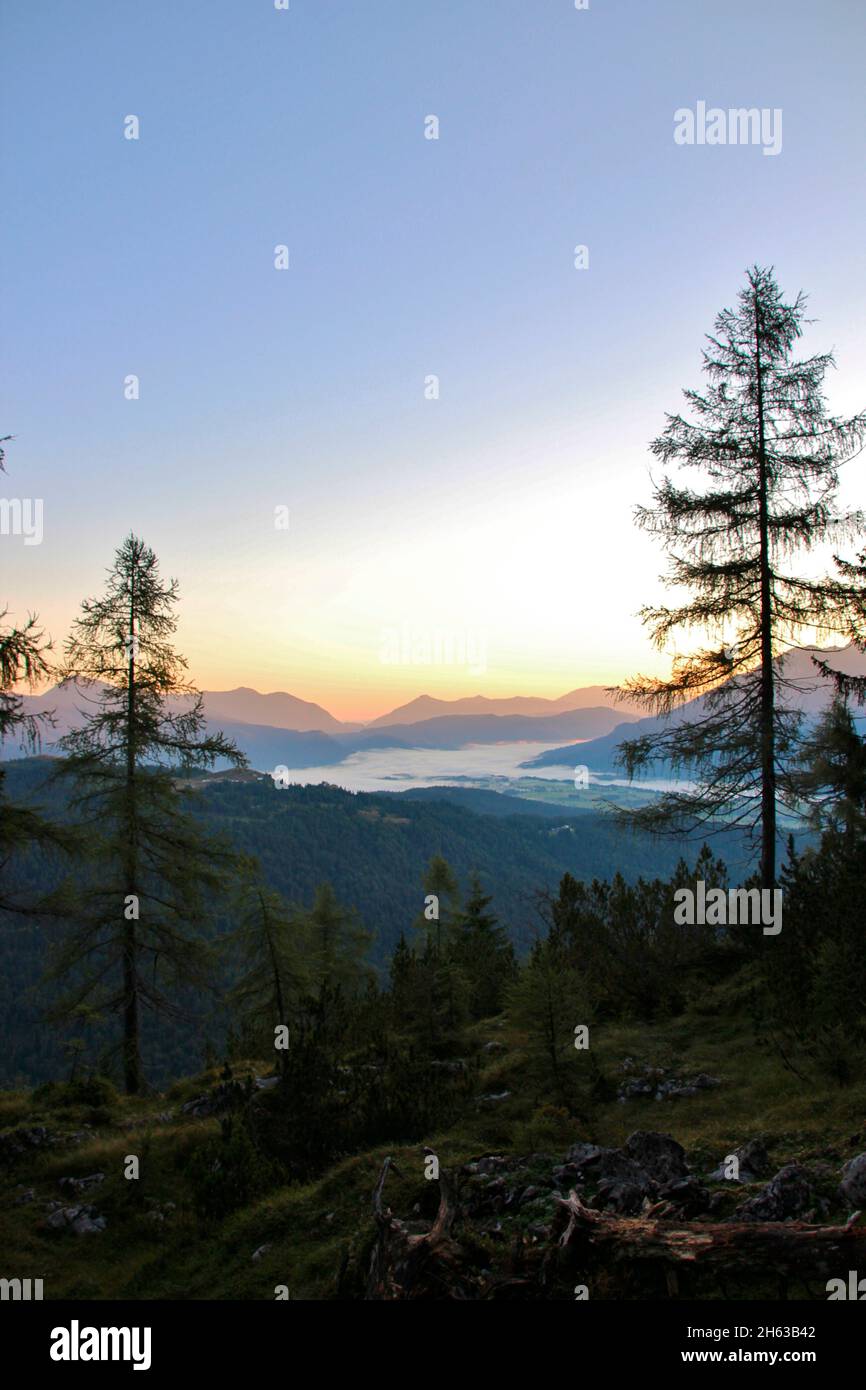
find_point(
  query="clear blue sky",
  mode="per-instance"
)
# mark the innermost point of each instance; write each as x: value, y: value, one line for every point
x: 505, y: 506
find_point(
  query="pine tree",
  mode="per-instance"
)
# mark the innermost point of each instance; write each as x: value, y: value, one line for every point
x: 483, y: 951
x: 436, y: 919
x: 770, y: 454
x: 548, y: 1002
x: 339, y: 945
x: 24, y: 658
x: 403, y: 985
x: 275, y: 974
x: 830, y: 776
x: 139, y: 930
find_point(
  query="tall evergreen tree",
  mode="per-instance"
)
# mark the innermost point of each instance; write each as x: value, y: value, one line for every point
x: 483, y: 951
x: 830, y: 776
x: 24, y: 659
x: 275, y: 973
x: 139, y: 929
x: 437, y: 917
x: 338, y: 946
x: 770, y: 454
x: 548, y: 1001
x: 403, y: 985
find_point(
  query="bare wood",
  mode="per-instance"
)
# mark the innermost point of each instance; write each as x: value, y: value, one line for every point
x: 793, y: 1248
x: 406, y: 1265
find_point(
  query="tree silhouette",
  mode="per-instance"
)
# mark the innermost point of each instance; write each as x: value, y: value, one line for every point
x: 770, y: 454
x: 140, y: 919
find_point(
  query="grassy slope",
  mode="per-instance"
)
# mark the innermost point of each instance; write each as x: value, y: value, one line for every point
x: 311, y: 1228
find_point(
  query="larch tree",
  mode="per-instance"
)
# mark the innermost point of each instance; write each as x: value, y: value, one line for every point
x: 440, y: 903
x: 338, y: 946
x: 274, y: 975
x: 768, y: 453
x: 137, y: 937
x: 482, y: 950
x: 25, y: 659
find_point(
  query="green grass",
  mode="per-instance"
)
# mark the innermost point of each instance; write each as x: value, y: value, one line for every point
x: 312, y: 1229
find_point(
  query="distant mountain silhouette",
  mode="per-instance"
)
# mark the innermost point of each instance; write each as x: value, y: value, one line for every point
x: 277, y: 710
x: 279, y: 728
x: 454, y: 731
x: 809, y: 692
x: 429, y: 707
x: 269, y: 747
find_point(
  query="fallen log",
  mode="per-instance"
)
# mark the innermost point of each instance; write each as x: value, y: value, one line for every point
x: 644, y: 1257
x: 790, y: 1250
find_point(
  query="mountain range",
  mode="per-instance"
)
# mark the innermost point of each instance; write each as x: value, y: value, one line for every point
x: 806, y: 690
x: 281, y: 729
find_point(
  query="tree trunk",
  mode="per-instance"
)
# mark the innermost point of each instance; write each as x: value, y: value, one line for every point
x: 789, y: 1250
x: 609, y: 1253
x: 768, y: 731
x: 278, y: 984
x: 131, y: 1023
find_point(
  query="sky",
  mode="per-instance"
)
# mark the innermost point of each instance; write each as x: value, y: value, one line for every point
x: 478, y: 542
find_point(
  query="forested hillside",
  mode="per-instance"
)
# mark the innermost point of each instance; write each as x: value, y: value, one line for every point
x: 373, y: 850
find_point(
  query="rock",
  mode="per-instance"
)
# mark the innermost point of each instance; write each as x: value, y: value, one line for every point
x: 634, y: 1090
x: 159, y: 1211
x: 257, y: 1254
x: 454, y: 1067
x: 81, y: 1184
x: 649, y: 1082
x: 28, y: 1195
x: 493, y: 1047
x: 687, y: 1198
x: 623, y: 1197
x: 567, y: 1175
x: 626, y: 1178
x: 199, y: 1106
x: 17, y: 1143
x: 496, y: 1184
x: 753, y: 1162
x: 222, y: 1097
x: 88, y: 1222
x: 490, y: 1163
x: 608, y: 1165
x: 492, y: 1099
x: 581, y: 1153
x: 786, y: 1196
x: 853, y: 1184
x: 658, y: 1155
x: 83, y: 1220
x: 266, y: 1083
